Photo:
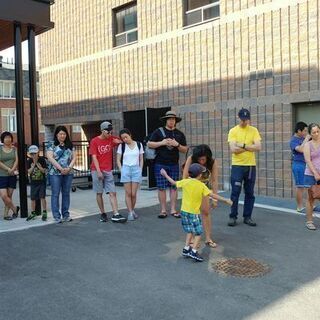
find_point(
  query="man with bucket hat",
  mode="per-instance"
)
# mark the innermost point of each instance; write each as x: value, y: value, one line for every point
x: 168, y: 142
x: 244, y: 140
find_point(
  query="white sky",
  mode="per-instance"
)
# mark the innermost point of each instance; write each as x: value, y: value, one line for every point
x: 8, y: 54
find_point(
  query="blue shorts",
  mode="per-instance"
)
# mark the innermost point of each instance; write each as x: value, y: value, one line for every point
x: 7, y: 182
x: 191, y: 223
x: 130, y: 174
x: 162, y: 182
x: 309, y: 181
x: 298, y: 168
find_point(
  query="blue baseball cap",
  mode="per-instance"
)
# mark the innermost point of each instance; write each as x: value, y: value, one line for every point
x: 195, y: 170
x: 244, y: 114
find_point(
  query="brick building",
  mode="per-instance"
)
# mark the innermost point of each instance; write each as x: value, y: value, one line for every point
x: 8, y: 103
x: 127, y: 61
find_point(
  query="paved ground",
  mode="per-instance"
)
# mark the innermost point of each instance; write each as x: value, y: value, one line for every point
x: 90, y: 270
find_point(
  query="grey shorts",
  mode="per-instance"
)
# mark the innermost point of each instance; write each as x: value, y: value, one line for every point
x: 107, y: 184
x: 38, y: 191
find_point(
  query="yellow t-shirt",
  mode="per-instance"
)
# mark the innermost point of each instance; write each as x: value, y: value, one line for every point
x: 193, y: 191
x: 248, y: 136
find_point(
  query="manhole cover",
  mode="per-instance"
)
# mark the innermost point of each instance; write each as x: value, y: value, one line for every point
x: 241, y: 267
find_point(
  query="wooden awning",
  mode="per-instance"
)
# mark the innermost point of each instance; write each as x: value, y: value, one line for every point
x: 27, y: 12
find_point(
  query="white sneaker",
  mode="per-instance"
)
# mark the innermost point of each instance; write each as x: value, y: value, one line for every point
x: 130, y: 216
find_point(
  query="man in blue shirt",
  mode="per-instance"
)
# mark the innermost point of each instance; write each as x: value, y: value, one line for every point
x: 297, y: 142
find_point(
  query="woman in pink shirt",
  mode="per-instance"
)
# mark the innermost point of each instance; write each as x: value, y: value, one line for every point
x: 312, y: 172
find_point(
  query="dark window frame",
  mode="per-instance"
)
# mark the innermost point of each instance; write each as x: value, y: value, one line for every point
x: 201, y: 9
x: 115, y: 26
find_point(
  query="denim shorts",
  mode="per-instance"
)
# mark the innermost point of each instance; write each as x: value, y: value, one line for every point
x: 106, y: 184
x: 309, y: 181
x: 8, y: 182
x: 172, y: 171
x: 130, y: 174
x: 298, y: 168
x: 191, y: 223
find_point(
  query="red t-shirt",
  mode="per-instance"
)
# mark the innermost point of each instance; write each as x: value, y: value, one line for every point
x: 103, y: 149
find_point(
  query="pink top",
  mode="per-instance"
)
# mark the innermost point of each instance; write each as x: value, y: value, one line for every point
x: 315, y: 159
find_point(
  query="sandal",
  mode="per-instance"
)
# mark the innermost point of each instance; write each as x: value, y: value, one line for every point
x: 211, y: 244
x: 310, y: 225
x: 162, y: 215
x: 176, y: 215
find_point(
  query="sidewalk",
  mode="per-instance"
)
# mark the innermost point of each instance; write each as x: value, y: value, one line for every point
x: 83, y: 204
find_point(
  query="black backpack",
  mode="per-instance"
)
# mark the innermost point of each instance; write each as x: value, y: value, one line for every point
x: 123, y: 147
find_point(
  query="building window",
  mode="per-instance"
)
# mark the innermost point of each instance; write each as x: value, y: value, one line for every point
x: 9, y: 120
x: 76, y: 129
x: 7, y: 90
x: 197, y: 11
x: 125, y: 24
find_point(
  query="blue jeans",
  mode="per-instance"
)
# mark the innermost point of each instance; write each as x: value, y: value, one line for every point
x: 60, y: 183
x: 247, y: 176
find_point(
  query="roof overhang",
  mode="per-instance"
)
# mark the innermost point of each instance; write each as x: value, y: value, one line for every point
x: 34, y: 13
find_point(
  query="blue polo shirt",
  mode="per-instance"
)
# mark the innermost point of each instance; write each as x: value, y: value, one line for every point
x: 295, y: 142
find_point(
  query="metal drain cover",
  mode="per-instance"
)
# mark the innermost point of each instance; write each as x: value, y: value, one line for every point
x: 241, y: 267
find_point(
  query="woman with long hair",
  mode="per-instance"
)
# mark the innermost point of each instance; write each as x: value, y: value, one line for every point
x: 8, y: 174
x: 130, y: 163
x: 62, y: 156
x: 312, y: 172
x: 202, y: 154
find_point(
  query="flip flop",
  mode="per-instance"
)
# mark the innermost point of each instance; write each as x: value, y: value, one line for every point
x: 176, y: 215
x: 211, y: 244
x: 162, y: 215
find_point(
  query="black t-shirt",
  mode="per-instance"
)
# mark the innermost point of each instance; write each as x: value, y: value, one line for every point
x: 36, y: 175
x: 168, y: 155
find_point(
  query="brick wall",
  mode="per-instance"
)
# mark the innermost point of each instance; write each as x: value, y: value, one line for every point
x: 260, y: 54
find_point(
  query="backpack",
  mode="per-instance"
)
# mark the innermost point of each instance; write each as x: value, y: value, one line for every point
x: 150, y: 153
x: 123, y: 147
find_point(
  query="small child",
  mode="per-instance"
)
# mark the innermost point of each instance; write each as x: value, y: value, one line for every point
x: 37, y: 171
x: 193, y: 192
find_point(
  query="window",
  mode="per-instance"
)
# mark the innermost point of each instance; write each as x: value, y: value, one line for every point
x: 125, y: 25
x: 7, y: 89
x: 9, y: 120
x: 197, y: 11
x: 76, y: 129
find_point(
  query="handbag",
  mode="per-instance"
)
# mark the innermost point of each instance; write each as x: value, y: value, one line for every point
x: 314, y: 191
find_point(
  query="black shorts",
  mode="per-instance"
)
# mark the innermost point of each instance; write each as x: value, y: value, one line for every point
x: 38, y: 191
x: 8, y: 182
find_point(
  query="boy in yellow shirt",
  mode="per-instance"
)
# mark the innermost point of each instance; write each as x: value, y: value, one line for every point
x: 193, y: 192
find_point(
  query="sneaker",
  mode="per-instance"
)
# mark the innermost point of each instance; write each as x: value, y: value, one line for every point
x: 301, y: 210
x: 249, y: 222
x: 44, y: 215
x: 38, y: 213
x: 135, y: 214
x: 67, y: 219
x: 31, y: 216
x: 130, y: 216
x: 186, y: 252
x: 232, y: 222
x: 195, y: 256
x: 15, y: 215
x: 8, y: 218
x: 118, y: 218
x: 103, y: 217
x: 58, y: 221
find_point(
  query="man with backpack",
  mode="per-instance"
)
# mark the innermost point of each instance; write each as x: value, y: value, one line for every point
x: 167, y: 141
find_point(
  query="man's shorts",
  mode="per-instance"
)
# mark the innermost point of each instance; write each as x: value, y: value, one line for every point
x: 8, y: 182
x: 162, y: 182
x: 106, y: 184
x: 130, y: 174
x: 38, y: 190
x: 191, y: 223
x: 298, y: 168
